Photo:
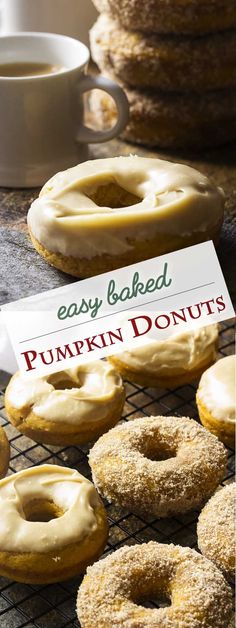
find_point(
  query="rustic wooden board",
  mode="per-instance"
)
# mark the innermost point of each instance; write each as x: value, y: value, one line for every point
x: 23, y: 272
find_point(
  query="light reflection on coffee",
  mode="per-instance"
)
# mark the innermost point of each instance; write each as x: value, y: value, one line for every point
x: 28, y: 68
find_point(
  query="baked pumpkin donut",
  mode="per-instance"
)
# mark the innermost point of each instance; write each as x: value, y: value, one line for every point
x: 163, y: 61
x: 66, y: 408
x: 172, y: 120
x: 160, y: 465
x: 176, y: 361
x: 108, y: 213
x: 216, y: 530
x: 53, y: 524
x: 216, y: 399
x: 113, y: 590
x: 194, y: 17
x: 4, y: 453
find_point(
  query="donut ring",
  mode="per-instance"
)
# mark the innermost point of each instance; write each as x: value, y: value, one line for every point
x: 4, y: 453
x: 178, y: 360
x: 173, y: 120
x: 160, y: 465
x: 172, y: 16
x: 164, y: 62
x: 108, y: 213
x: 112, y: 591
x: 66, y: 408
x: 216, y: 399
x: 53, y: 524
x: 216, y: 530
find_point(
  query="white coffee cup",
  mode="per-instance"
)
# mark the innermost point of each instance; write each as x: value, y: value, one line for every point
x: 41, y: 117
x: 66, y: 17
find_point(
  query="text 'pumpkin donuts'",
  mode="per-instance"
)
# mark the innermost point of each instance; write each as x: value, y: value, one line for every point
x: 107, y: 213
x: 52, y: 526
x: 113, y: 590
x: 68, y: 407
x: 160, y: 465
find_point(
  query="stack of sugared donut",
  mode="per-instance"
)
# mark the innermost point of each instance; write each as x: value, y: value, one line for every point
x: 176, y: 60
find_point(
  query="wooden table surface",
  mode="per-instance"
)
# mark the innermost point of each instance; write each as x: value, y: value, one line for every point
x: 23, y: 272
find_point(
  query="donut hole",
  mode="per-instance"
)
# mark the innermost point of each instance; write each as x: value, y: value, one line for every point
x: 155, y: 594
x: 159, y: 456
x: 62, y: 382
x: 150, y: 587
x: 112, y: 195
x: 41, y: 510
x: 157, y: 450
x: 158, y: 600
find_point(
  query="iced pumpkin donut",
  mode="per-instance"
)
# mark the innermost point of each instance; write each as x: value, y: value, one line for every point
x: 174, y: 362
x: 216, y: 399
x: 69, y: 407
x: 194, y: 17
x: 216, y: 530
x: 107, y: 213
x: 4, y: 453
x: 53, y: 524
x: 114, y: 589
x: 160, y: 465
x: 164, y: 62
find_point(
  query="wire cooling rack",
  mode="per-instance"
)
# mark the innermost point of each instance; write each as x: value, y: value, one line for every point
x: 53, y: 606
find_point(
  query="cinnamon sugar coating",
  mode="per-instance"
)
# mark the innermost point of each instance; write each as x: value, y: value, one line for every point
x: 112, y: 592
x: 173, y: 120
x: 160, y: 465
x: 216, y: 530
x: 172, y: 16
x: 164, y: 62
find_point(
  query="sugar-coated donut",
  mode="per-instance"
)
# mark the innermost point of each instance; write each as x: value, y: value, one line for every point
x: 216, y: 399
x: 53, y: 524
x: 107, y: 213
x: 160, y: 465
x: 113, y: 590
x: 172, y: 120
x: 164, y: 62
x: 69, y: 407
x: 4, y: 453
x: 178, y: 360
x: 172, y: 16
x: 216, y: 530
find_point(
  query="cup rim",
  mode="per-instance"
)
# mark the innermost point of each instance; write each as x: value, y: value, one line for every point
x: 47, y: 35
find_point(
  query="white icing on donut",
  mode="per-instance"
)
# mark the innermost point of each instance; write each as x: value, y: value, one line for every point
x: 217, y: 389
x: 174, y: 199
x: 177, y: 354
x: 69, y: 490
x: 97, y: 387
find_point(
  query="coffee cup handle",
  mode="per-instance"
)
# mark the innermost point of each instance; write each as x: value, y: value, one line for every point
x: 90, y: 136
